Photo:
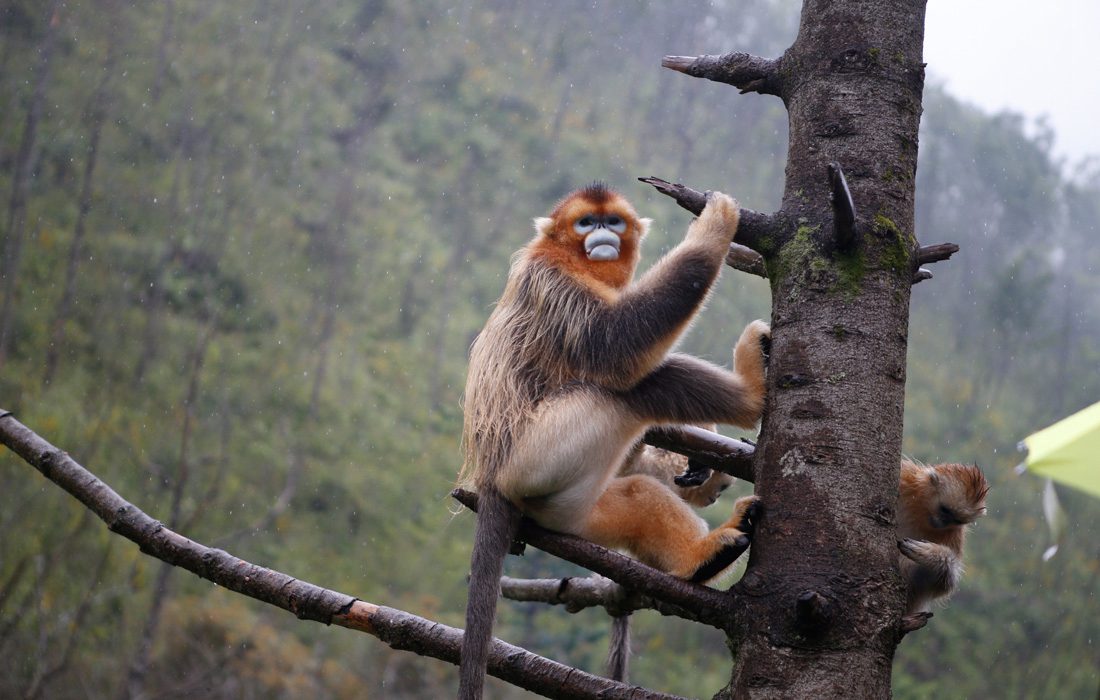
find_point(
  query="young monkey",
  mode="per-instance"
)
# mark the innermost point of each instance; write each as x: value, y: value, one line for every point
x: 573, y: 365
x: 936, y: 504
x: 666, y: 466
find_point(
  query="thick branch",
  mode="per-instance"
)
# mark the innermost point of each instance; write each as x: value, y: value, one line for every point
x: 708, y: 448
x: 398, y: 629
x: 935, y: 253
x: 744, y: 71
x: 699, y: 601
x: 577, y: 593
x: 752, y: 228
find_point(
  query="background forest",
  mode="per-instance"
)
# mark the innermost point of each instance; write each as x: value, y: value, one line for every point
x: 247, y: 243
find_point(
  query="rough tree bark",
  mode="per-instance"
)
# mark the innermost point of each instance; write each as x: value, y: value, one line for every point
x: 821, y: 603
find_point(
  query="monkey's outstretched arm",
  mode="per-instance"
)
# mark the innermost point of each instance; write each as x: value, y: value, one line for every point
x: 621, y: 340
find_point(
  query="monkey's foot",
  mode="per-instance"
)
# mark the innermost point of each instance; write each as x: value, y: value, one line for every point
x: 695, y: 475
x: 747, y: 510
x: 730, y: 540
x: 920, y: 551
x: 750, y: 359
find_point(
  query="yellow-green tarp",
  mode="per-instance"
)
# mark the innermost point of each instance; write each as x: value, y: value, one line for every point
x: 1069, y: 451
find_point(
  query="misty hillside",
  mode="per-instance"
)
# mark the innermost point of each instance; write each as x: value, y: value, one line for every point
x: 246, y: 245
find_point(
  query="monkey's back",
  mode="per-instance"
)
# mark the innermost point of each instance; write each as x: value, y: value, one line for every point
x: 517, y: 360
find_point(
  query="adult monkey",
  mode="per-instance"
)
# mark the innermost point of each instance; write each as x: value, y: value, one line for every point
x: 571, y: 368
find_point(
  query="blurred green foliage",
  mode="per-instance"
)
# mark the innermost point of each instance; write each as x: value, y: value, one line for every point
x: 300, y: 215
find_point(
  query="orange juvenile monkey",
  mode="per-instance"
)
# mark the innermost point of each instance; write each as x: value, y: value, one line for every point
x: 935, y: 506
x: 571, y: 368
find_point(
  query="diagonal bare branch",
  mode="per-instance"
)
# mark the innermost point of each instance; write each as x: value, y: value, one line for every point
x: 399, y: 629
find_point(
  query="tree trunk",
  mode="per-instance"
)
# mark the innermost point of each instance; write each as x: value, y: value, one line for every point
x: 97, y: 113
x: 822, y: 601
x: 20, y: 182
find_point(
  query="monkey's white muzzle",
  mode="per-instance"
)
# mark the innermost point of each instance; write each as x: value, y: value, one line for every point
x: 601, y: 245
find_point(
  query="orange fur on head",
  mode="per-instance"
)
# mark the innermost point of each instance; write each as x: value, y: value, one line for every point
x: 559, y: 246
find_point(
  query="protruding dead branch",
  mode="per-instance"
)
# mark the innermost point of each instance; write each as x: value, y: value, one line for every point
x: 935, y: 253
x: 706, y: 447
x: 752, y: 228
x: 744, y: 71
x: 813, y: 611
x: 921, y: 275
x: 844, y: 209
x: 912, y: 623
x: 746, y: 260
x: 698, y: 602
x: 398, y: 629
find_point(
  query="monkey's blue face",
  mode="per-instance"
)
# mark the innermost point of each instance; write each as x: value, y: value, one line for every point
x: 601, y: 235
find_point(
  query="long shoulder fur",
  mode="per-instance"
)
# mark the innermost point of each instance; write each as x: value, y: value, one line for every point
x: 516, y: 360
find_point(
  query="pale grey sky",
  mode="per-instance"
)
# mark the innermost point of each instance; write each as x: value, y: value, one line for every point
x: 1031, y: 57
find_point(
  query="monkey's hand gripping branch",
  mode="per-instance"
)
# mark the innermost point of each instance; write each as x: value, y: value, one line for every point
x: 676, y: 596
x: 398, y: 629
x: 744, y: 254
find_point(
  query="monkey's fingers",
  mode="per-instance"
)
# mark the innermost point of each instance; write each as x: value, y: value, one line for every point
x: 914, y: 549
x: 695, y: 475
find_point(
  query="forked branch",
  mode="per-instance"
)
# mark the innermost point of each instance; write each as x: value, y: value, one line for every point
x: 399, y: 629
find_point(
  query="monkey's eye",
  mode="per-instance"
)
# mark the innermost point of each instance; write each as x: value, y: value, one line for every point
x: 585, y: 224
x: 947, y: 515
x: 616, y: 224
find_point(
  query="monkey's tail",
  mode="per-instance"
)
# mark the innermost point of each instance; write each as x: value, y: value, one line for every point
x: 618, y: 648
x: 497, y: 525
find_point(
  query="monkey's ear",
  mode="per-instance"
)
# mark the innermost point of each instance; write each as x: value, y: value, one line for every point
x: 643, y: 227
x: 543, y: 225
